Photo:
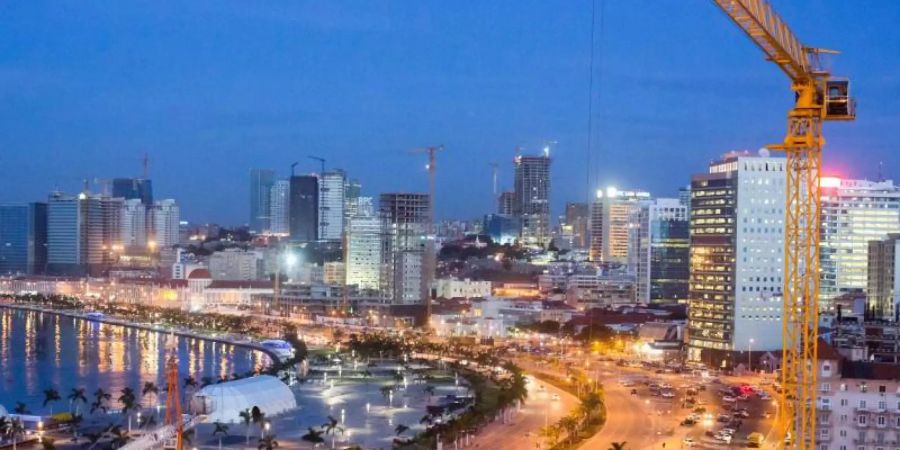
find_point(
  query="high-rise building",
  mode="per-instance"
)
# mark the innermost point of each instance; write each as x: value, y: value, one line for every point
x: 261, y: 181
x: 134, y: 224
x: 364, y: 247
x: 279, y: 207
x: 166, y: 224
x: 577, y: 216
x: 82, y: 233
x: 662, y: 256
x: 406, y: 226
x: 23, y: 239
x: 304, y: 208
x: 502, y: 228
x: 133, y: 188
x: 331, y: 205
x: 612, y: 218
x: 854, y: 212
x: 532, y: 198
x: 737, y: 245
x: 352, y: 191
x: 506, y: 202
x: 883, y: 273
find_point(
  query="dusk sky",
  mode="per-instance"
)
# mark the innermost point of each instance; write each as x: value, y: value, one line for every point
x: 210, y: 89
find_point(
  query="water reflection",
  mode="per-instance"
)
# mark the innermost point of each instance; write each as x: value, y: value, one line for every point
x: 40, y: 351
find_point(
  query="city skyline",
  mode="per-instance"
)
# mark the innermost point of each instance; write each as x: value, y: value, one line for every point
x: 109, y: 100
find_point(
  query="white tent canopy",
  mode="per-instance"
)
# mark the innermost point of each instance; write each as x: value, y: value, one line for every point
x: 224, y: 402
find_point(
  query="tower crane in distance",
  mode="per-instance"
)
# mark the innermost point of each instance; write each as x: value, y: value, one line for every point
x: 818, y: 97
x: 430, y: 256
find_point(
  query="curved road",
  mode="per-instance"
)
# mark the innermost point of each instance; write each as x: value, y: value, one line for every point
x: 522, y: 430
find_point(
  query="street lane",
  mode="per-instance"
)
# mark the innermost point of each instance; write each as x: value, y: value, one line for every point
x: 522, y: 431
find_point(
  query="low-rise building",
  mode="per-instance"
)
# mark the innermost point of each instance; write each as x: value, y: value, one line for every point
x: 456, y: 288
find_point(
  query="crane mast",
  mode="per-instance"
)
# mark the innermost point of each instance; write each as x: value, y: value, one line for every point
x: 818, y: 97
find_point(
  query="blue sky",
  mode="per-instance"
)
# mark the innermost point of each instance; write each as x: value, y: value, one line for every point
x: 212, y: 88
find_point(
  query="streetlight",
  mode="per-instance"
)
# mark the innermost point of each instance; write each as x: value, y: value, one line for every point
x: 750, y: 356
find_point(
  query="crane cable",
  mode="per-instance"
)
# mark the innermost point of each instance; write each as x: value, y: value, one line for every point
x: 590, y: 130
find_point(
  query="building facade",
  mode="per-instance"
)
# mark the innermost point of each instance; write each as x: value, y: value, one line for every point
x: 261, y: 181
x: 23, y: 239
x: 854, y: 212
x: 531, y: 201
x: 613, y: 215
x: 578, y: 217
x: 134, y: 224
x: 662, y: 252
x: 404, y: 252
x: 234, y: 264
x: 304, y: 208
x: 736, y: 258
x: 82, y: 233
x: 166, y: 216
x: 364, y: 247
x: 279, y: 208
x: 883, y: 278
x: 332, y: 191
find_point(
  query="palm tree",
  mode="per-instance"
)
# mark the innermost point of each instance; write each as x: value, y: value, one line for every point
x: 15, y: 429
x: 48, y: 443
x: 313, y: 436
x: 190, y: 383
x: 617, y: 445
x: 129, y: 403
x: 246, y: 419
x: 570, y: 424
x: 331, y: 427
x: 50, y: 396
x: 75, y: 397
x: 21, y: 408
x: 267, y: 443
x: 150, y: 388
x: 400, y: 429
x: 220, y: 431
x: 101, y: 397
x: 259, y: 418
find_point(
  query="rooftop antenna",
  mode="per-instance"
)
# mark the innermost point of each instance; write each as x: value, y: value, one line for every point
x: 292, y: 168
x: 146, y: 164
x: 880, y: 171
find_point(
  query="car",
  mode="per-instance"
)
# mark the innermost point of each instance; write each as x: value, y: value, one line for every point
x: 742, y: 413
x: 688, y: 441
x: 667, y: 394
x: 689, y: 422
x: 726, y: 438
x: 555, y: 397
x: 723, y: 418
x: 728, y: 399
x: 634, y: 392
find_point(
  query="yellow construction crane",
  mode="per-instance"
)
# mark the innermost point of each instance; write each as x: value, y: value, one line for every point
x: 818, y: 97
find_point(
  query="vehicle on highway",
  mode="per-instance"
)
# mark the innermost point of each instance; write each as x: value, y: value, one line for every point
x: 755, y: 440
x: 667, y: 394
x: 728, y: 399
x: 555, y: 397
x: 689, y: 422
x: 724, y: 418
x: 688, y: 441
x: 634, y: 392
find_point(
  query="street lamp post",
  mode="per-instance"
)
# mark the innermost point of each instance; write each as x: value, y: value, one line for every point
x: 750, y: 356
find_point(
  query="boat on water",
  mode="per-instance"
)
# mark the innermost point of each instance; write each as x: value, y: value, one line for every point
x: 282, y: 349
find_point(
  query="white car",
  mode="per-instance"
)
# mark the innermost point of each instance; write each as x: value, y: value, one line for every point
x: 667, y: 394
x: 689, y: 442
x: 555, y: 397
